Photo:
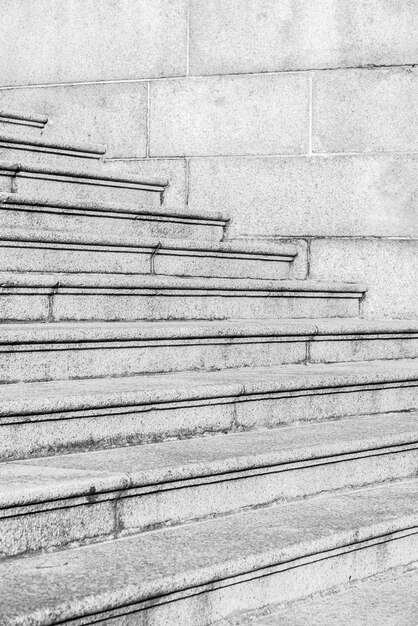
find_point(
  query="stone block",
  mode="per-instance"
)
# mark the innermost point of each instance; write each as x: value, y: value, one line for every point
x: 266, y: 35
x: 365, y: 110
x: 302, y: 196
x: 230, y: 115
x: 88, y: 113
x: 389, y: 267
x: 59, y: 41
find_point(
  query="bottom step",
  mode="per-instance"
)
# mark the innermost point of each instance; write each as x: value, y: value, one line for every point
x: 199, y: 573
x: 390, y: 599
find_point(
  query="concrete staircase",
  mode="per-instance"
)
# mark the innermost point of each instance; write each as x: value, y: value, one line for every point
x: 188, y: 433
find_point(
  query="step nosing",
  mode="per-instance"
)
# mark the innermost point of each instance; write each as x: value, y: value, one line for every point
x: 20, y: 169
x: 168, y: 390
x: 29, y: 142
x: 125, y: 332
x: 92, y: 206
x: 220, y: 469
x: 119, y: 282
x: 41, y: 119
x: 158, y: 246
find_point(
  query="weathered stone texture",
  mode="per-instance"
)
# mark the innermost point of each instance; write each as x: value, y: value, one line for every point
x: 230, y: 115
x: 86, y: 40
x: 112, y: 114
x: 389, y: 267
x: 300, y: 196
x: 174, y: 170
x: 365, y: 110
x: 266, y: 35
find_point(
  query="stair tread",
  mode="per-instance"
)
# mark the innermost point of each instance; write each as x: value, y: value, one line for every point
x: 32, y: 398
x: 147, y: 281
x: 223, y: 247
x: 72, y: 475
x: 65, y: 146
x: 24, y: 117
x: 56, y: 332
x: 80, y: 173
x: 55, y: 201
x: 390, y: 598
x: 48, y: 588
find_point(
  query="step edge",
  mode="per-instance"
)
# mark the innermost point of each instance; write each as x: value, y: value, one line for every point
x: 16, y: 406
x: 106, y: 481
x: 8, y: 141
x: 19, y: 169
x: 16, y: 199
x: 42, y: 120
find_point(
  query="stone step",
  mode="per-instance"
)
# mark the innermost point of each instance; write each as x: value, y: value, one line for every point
x: 37, y: 251
x: 389, y: 598
x: 116, y: 297
x: 78, y: 184
x: 21, y: 124
x: 46, y: 418
x: 115, y: 220
x: 39, y: 151
x: 198, y: 573
x: 47, y: 503
x: 60, y: 351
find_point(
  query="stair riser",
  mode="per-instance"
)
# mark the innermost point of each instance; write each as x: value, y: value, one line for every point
x: 363, y: 350
x: 206, y: 604
x: 92, y: 429
x: 33, y: 363
x: 96, y: 363
x: 56, y: 524
x: 71, y: 189
x: 136, y: 261
x: 21, y: 131
x: 38, y: 156
x: 188, y: 305
x: 108, y: 226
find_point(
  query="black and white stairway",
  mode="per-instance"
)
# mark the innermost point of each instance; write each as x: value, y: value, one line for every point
x: 189, y: 434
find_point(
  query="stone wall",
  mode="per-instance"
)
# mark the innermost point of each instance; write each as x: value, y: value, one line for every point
x: 297, y: 117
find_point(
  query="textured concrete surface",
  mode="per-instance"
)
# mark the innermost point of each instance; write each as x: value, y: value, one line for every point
x: 49, y: 502
x: 365, y: 110
x: 264, y: 35
x: 230, y: 115
x: 127, y: 222
x: 36, y: 251
x: 30, y: 352
x: 89, y: 112
x: 53, y: 417
x: 173, y: 170
x: 76, y: 183
x: 118, y: 297
x: 388, y: 266
x: 40, y: 151
x: 105, y: 41
x: 130, y: 571
x: 300, y: 196
x: 388, y: 598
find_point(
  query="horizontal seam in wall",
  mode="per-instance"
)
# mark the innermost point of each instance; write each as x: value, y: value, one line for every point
x: 310, y: 238
x: 304, y: 155
x: 184, y: 76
